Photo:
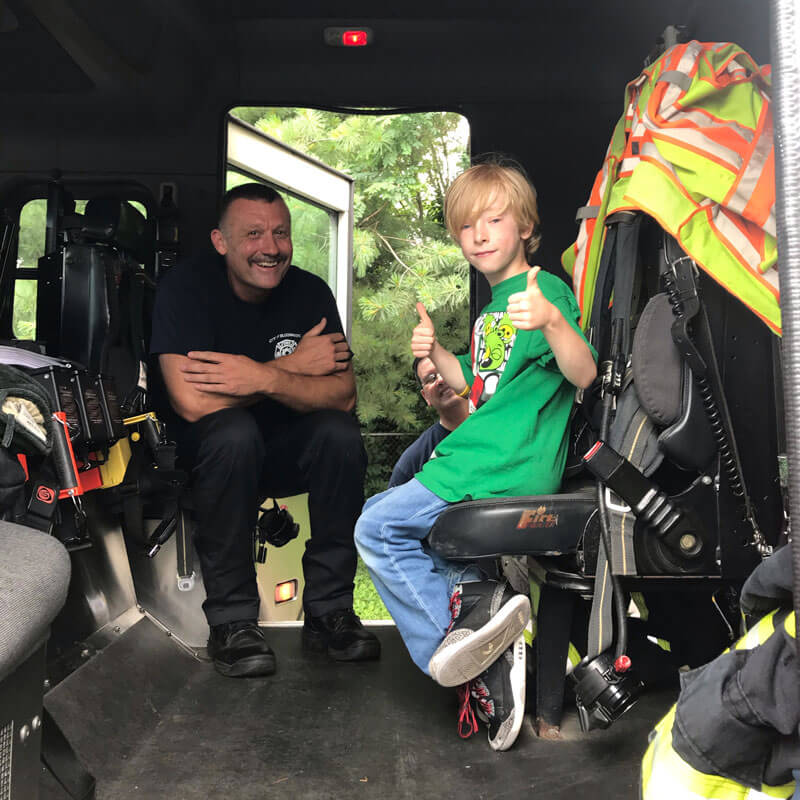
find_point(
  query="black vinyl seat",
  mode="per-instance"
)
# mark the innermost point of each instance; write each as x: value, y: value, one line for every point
x: 550, y: 529
x: 535, y: 525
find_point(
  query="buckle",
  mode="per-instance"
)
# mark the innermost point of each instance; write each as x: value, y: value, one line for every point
x: 186, y: 583
x: 620, y: 508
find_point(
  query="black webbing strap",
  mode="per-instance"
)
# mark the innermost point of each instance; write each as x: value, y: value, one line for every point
x: 697, y: 349
x: 623, y: 241
x: 603, y: 288
x: 625, y: 271
x: 183, y: 546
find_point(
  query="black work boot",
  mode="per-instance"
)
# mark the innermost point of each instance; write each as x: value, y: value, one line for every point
x: 487, y: 617
x: 239, y: 650
x: 341, y: 635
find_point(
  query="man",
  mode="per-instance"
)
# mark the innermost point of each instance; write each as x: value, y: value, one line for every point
x: 258, y: 372
x: 453, y: 410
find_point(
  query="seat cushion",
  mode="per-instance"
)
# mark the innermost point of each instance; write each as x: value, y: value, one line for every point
x: 34, y: 577
x: 549, y: 524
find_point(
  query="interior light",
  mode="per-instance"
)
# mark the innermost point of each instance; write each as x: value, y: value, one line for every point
x: 348, y: 37
x: 354, y: 38
x: 285, y: 591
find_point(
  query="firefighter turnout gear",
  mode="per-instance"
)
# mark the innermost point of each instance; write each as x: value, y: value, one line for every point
x: 733, y: 734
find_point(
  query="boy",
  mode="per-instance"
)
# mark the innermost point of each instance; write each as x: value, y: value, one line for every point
x: 527, y: 355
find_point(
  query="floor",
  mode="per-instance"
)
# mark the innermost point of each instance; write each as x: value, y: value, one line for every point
x: 150, y: 721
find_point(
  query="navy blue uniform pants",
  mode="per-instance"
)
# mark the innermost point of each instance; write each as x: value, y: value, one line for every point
x: 237, y: 457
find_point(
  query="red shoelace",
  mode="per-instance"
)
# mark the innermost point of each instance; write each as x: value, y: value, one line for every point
x: 467, y: 723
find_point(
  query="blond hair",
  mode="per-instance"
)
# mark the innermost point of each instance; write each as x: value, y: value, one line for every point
x: 477, y: 188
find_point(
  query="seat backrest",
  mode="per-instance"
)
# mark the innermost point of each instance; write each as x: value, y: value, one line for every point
x: 685, y: 344
x: 93, y: 296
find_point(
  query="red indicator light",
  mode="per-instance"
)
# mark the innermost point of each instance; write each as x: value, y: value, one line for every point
x: 354, y: 38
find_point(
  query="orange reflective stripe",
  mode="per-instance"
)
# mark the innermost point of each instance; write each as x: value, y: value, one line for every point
x: 759, y: 167
x: 761, y: 205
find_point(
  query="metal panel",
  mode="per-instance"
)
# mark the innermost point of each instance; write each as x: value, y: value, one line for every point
x: 6, y: 752
x: 21, y: 729
x: 101, y: 587
x: 181, y: 613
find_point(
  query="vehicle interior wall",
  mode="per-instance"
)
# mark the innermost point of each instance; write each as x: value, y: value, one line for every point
x: 137, y: 91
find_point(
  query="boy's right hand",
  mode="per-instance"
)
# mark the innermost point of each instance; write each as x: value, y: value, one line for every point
x: 423, y: 337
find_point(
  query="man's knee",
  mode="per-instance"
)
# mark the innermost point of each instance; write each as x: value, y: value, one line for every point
x: 228, y: 438
x: 337, y: 434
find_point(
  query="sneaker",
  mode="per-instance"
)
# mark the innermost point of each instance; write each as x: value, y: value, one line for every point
x: 500, y: 696
x: 487, y: 617
x: 239, y: 650
x: 341, y: 635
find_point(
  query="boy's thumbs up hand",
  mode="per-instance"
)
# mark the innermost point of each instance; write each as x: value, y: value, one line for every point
x: 530, y: 310
x: 423, y: 337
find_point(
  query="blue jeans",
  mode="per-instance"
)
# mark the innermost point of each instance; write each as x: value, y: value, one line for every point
x: 414, y: 583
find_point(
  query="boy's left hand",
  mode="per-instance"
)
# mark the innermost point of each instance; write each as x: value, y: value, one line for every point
x: 530, y: 310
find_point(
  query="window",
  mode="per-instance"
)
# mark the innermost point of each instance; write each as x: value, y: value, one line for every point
x: 32, y: 224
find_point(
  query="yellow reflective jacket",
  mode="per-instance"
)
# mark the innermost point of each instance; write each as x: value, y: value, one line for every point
x: 694, y: 150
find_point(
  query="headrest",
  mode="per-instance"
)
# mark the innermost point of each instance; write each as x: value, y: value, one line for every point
x: 656, y: 363
x: 113, y: 221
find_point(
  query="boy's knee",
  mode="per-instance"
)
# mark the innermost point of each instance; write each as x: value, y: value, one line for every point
x: 363, y: 535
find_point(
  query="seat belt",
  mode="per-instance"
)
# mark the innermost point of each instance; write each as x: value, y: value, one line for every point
x: 183, y: 545
x: 625, y: 244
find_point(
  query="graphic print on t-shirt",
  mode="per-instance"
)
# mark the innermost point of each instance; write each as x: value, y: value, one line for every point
x: 285, y: 343
x: 493, y: 337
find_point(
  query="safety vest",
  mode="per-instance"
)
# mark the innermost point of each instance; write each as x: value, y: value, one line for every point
x: 666, y: 776
x: 694, y: 150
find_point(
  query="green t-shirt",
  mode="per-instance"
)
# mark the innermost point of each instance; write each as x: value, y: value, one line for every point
x: 517, y: 443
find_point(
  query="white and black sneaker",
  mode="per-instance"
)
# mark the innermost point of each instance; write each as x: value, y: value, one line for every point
x: 487, y: 617
x: 499, y: 695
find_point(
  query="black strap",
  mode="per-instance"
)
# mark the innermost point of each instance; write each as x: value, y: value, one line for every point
x: 625, y: 263
x: 602, y: 293
x: 183, y: 547
x: 697, y: 349
x: 63, y: 763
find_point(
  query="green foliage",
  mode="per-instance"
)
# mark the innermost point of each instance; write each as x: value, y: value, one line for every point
x: 31, y: 232
x: 402, y: 165
x: 23, y: 320
x: 366, y: 601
